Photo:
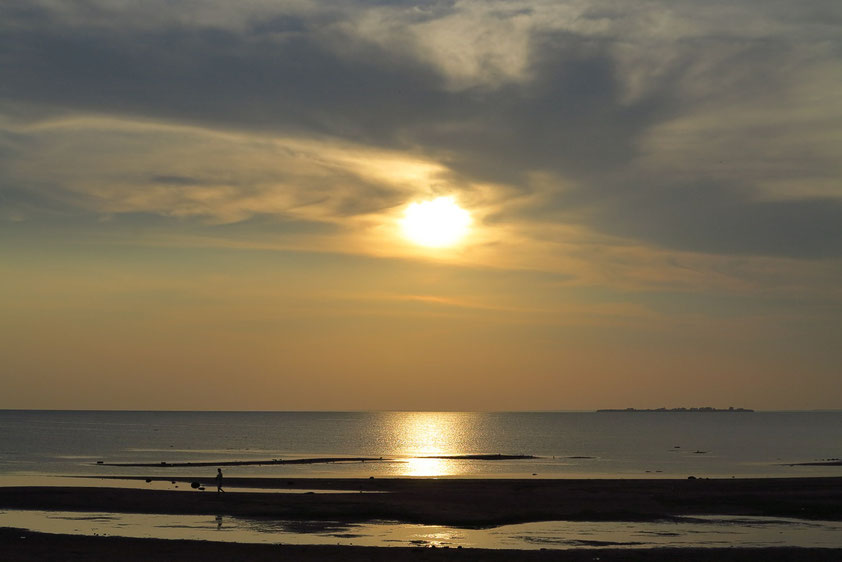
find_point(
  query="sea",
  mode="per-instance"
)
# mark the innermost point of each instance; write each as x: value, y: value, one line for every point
x: 81, y: 447
x: 35, y: 444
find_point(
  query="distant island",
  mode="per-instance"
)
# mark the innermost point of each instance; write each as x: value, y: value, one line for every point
x: 705, y: 409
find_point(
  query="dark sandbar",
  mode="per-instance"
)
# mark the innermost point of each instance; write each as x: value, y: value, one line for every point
x: 319, y: 460
x: 496, y: 457
x: 460, y: 502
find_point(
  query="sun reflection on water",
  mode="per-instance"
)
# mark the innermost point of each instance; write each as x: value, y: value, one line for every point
x: 429, y: 467
x: 431, y: 434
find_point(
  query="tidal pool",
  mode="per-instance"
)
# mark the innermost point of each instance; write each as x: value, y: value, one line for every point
x: 707, y: 531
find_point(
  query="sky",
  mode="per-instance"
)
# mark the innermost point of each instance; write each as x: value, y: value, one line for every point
x: 202, y: 204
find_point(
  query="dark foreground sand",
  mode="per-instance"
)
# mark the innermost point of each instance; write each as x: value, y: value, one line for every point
x: 24, y: 546
x: 461, y: 502
x: 448, y: 502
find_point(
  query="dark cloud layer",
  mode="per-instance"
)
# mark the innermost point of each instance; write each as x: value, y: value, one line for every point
x: 726, y: 220
x: 569, y: 114
x: 270, y: 80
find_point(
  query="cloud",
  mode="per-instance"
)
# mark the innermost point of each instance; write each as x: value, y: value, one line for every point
x: 722, y: 219
x: 694, y: 128
x: 115, y: 166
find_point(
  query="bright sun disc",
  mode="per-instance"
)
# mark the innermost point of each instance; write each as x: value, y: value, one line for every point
x: 436, y: 223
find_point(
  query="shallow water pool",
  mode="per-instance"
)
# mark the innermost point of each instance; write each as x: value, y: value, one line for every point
x: 707, y: 531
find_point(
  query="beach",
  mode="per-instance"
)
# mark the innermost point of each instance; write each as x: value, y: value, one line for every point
x: 460, y: 502
x: 456, y: 502
x: 365, y: 486
x: 23, y: 546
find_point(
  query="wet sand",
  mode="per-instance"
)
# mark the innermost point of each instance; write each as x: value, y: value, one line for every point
x: 455, y: 502
x: 18, y: 545
x: 459, y: 502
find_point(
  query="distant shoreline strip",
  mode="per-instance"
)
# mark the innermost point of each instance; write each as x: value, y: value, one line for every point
x: 679, y: 410
x: 319, y: 460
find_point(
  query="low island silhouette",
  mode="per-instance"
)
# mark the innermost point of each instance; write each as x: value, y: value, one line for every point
x: 703, y: 409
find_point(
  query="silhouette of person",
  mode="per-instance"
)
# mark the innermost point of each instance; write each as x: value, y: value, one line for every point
x: 219, y: 480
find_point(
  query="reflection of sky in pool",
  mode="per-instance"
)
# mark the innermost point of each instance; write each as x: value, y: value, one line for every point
x: 708, y: 531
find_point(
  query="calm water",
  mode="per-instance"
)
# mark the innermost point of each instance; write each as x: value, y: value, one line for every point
x: 568, y: 444
x: 685, y: 532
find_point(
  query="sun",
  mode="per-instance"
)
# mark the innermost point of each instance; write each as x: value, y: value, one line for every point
x: 437, y: 223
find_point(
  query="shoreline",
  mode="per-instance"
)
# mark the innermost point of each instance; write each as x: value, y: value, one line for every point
x: 456, y: 502
x: 20, y: 545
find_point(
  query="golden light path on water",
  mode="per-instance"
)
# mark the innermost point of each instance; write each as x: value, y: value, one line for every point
x: 431, y: 434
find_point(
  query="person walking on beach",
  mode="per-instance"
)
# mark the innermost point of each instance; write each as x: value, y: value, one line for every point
x: 219, y: 480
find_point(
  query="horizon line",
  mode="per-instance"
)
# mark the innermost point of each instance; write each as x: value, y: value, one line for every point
x: 537, y: 411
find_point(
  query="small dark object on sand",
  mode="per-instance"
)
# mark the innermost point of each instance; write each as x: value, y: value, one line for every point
x: 99, y: 462
x: 194, y: 485
x: 148, y: 480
